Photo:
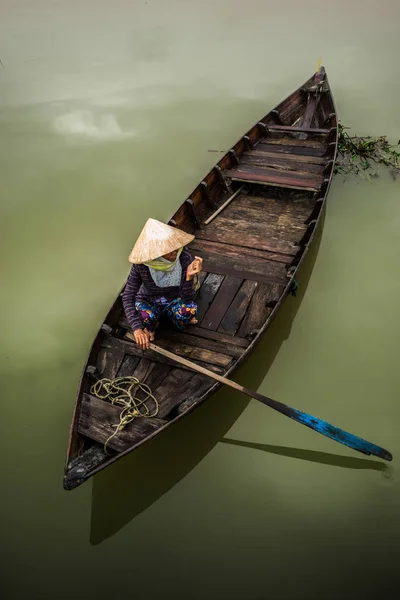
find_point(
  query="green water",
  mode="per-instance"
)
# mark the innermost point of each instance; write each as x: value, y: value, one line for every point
x: 107, y: 113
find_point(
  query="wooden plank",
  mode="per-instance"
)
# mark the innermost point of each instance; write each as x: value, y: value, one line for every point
x: 156, y: 376
x: 290, y: 149
x: 129, y: 347
x: 258, y: 312
x: 237, y: 310
x: 97, y: 418
x: 289, y: 141
x: 282, y: 163
x: 195, y: 352
x: 109, y: 361
x: 177, y: 387
x: 301, y: 158
x: 221, y: 303
x: 251, y: 235
x: 222, y: 248
x: 207, y: 293
x: 143, y: 369
x: 277, y: 180
x: 128, y: 366
x: 227, y: 346
x: 245, y: 267
x: 274, y: 208
x: 200, y: 332
x: 295, y: 129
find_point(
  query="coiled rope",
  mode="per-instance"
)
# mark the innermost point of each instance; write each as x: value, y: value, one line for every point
x: 120, y: 391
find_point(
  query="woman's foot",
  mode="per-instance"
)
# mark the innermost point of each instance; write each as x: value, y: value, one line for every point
x: 193, y: 321
x: 151, y: 335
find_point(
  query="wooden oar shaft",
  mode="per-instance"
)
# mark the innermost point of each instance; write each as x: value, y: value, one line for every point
x: 318, y: 425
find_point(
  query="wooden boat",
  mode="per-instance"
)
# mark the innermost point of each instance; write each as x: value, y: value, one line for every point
x: 279, y: 173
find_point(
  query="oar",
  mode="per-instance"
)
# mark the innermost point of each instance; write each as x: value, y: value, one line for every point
x: 336, y: 434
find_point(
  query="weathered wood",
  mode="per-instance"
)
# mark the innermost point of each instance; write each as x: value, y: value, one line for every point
x: 298, y: 158
x: 290, y: 149
x: 294, y: 129
x: 223, y: 299
x: 222, y: 179
x: 276, y: 179
x: 258, y: 312
x: 206, y: 193
x: 251, y: 235
x: 200, y: 332
x: 289, y: 141
x: 228, y: 345
x: 128, y: 346
x: 156, y: 376
x: 128, y: 366
x: 282, y: 163
x: 109, y: 361
x: 312, y: 104
x: 207, y: 293
x: 237, y: 310
x: 234, y: 156
x: 178, y: 386
x: 222, y: 248
x: 274, y: 113
x: 97, y: 418
x: 192, y: 213
x: 195, y: 352
x: 245, y: 267
x: 80, y: 467
x: 223, y: 206
x: 144, y: 368
x: 247, y: 141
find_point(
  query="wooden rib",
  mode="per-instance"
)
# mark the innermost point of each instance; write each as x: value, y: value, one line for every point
x: 222, y: 301
x: 97, y: 418
x: 237, y: 310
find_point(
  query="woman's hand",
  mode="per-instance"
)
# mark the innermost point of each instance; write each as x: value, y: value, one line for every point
x: 194, y: 268
x: 143, y: 338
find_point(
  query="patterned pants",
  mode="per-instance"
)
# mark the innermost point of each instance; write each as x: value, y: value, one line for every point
x: 179, y: 312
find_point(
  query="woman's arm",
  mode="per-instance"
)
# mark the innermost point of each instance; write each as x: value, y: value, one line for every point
x: 129, y: 297
x: 191, y: 269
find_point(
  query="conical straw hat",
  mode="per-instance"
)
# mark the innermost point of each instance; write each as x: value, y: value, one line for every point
x: 157, y: 239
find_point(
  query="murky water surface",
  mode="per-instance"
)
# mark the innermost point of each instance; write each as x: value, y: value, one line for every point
x: 107, y: 115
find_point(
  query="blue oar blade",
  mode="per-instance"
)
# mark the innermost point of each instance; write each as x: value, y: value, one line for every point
x: 338, y: 435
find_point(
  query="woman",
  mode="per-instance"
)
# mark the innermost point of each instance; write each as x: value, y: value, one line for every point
x: 162, y: 281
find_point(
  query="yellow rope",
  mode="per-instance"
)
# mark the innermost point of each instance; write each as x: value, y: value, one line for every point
x: 119, y: 391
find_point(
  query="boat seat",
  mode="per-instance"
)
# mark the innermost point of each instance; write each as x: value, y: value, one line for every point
x: 289, y: 179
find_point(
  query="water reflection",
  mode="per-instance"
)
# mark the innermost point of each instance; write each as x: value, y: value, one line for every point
x: 132, y: 484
